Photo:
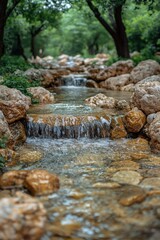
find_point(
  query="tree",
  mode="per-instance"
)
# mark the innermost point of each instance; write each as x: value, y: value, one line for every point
x: 114, y: 25
x: 6, y: 8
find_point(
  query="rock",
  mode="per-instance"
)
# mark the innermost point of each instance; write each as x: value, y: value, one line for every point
x: 21, y: 217
x: 128, y: 88
x: 147, y: 100
x: 134, y: 120
x: 41, y: 94
x: 116, y: 83
x: 123, y: 105
x: 13, y: 110
x: 132, y: 195
x: 92, y: 83
x: 18, y: 132
x: 109, y: 185
x: 153, y: 182
x: 154, y: 132
x: 151, y: 81
x: 11, y: 157
x: 101, y: 100
x: 116, y: 69
x: 9, y: 94
x: 127, y: 177
x: 30, y: 156
x: 117, y: 128
x: 145, y: 69
x: 5, y: 133
x: 125, y: 165
x: 40, y: 182
x: 13, y: 178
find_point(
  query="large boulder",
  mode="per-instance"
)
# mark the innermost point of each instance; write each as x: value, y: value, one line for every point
x: 5, y: 132
x: 147, y: 100
x: 13, y: 110
x: 145, y: 69
x: 116, y: 69
x: 41, y: 94
x: 13, y: 178
x: 18, y: 132
x: 134, y: 120
x: 154, y: 131
x: 13, y: 103
x: 116, y: 83
x: 8, y: 94
x: 21, y: 217
x: 101, y: 100
x: 151, y: 81
x: 117, y: 128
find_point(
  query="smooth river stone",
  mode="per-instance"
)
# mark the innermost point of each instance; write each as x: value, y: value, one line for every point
x: 132, y: 195
x: 106, y: 185
x: 28, y: 156
x: 41, y: 182
x: 153, y: 182
x: 127, y: 177
x: 13, y: 178
x: 125, y: 165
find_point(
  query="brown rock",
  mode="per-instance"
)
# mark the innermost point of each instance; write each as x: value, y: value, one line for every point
x: 145, y: 69
x: 13, y: 178
x: 117, y: 128
x: 41, y: 94
x: 132, y: 195
x: 127, y: 177
x: 101, y: 100
x: 5, y: 133
x: 151, y: 81
x: 18, y: 132
x: 134, y: 120
x: 21, y: 217
x: 40, y: 182
x: 8, y: 94
x: 147, y: 100
x: 11, y: 157
x: 116, y: 83
x: 154, y: 132
x: 153, y: 182
x: 13, y: 110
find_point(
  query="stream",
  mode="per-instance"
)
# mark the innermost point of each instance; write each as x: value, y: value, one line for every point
x: 110, y: 189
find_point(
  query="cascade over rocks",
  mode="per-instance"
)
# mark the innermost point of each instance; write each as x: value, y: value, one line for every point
x: 22, y: 217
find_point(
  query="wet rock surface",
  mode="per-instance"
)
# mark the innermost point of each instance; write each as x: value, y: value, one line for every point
x: 21, y: 217
x: 109, y: 189
x: 41, y: 94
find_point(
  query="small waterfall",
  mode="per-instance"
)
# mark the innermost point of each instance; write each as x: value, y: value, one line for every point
x: 69, y: 127
x: 73, y: 80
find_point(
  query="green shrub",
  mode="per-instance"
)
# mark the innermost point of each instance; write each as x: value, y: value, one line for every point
x: 2, y: 162
x: 9, y: 64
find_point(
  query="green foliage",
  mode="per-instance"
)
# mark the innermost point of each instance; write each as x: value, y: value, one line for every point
x: 2, y: 162
x: 9, y: 64
x: 3, y: 141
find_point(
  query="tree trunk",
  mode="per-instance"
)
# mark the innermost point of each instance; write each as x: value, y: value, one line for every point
x: 17, y: 48
x: 117, y: 30
x: 120, y: 40
x: 3, y: 9
x: 33, y: 51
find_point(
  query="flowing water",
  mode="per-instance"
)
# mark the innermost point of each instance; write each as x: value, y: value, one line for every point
x: 109, y: 189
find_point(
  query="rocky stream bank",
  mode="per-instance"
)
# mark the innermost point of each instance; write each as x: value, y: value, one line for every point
x: 103, y: 151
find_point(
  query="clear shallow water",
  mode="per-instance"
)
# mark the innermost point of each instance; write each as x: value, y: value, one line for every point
x: 92, y: 204
x: 88, y: 204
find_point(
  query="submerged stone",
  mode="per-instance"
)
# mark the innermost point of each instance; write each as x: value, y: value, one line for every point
x: 127, y: 177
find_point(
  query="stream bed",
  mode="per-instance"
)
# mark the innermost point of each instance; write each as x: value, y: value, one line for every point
x: 110, y: 189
